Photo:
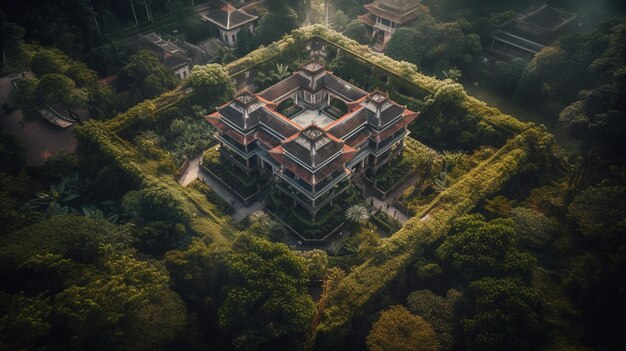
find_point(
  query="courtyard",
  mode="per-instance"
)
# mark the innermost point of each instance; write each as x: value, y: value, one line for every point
x: 309, y: 116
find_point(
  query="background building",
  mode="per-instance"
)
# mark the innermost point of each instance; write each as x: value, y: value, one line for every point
x: 385, y: 16
x: 529, y: 32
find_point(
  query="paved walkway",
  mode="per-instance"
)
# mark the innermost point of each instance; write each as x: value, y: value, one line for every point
x: 388, y: 208
x: 194, y: 172
x: 387, y: 204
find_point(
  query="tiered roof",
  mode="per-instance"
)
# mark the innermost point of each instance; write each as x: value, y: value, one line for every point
x: 312, y: 153
x: 536, y: 28
x: 398, y: 11
x: 170, y: 54
x: 313, y: 77
x: 382, y: 117
x: 229, y: 17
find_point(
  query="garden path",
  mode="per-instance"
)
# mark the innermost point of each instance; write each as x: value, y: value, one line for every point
x: 388, y: 208
x: 194, y: 172
x: 387, y: 205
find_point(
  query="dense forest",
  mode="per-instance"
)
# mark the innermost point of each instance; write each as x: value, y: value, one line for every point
x: 509, y: 240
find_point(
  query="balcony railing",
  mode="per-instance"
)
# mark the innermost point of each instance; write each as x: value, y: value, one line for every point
x: 307, y: 190
x: 385, y: 145
x: 233, y: 145
x: 384, y: 27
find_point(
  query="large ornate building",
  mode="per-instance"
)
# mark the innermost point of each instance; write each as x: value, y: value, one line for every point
x: 527, y: 33
x: 385, y: 16
x: 312, y: 153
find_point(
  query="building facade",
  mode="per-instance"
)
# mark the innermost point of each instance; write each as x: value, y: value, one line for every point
x: 527, y: 33
x: 385, y: 16
x: 230, y: 18
x: 314, y: 152
x: 170, y: 55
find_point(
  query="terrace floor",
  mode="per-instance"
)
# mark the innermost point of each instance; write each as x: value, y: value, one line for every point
x: 308, y: 117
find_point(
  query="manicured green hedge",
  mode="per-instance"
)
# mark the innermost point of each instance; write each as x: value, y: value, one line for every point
x: 413, y: 160
x: 234, y: 177
x: 155, y: 179
x: 327, y: 219
x: 340, y: 305
x: 293, y: 46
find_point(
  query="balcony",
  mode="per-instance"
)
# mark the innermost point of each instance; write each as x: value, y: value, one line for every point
x: 387, y: 143
x: 306, y: 189
x: 235, y: 146
x: 384, y: 28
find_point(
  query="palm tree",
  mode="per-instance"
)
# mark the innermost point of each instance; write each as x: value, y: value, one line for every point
x: 281, y: 71
x: 452, y: 158
x: 260, y: 219
x: 357, y: 214
x: 453, y: 73
x: 58, y: 200
x: 338, y: 248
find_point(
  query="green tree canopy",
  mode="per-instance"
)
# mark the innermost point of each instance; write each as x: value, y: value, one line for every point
x: 274, y: 24
x: 146, y: 76
x: 398, y: 330
x: 211, y: 85
x: 358, y: 31
x: 56, y: 89
x: 438, y: 311
x: 266, y: 298
x: 127, y: 305
x: 533, y: 229
x: 75, y: 237
x: 16, y: 52
x: 477, y: 248
x: 406, y: 44
x: 47, y: 61
x: 504, y: 315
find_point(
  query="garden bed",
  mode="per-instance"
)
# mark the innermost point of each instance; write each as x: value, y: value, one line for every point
x: 300, y: 220
x: 212, y: 197
x: 386, y: 223
x: 448, y: 167
x: 231, y: 175
x: 415, y: 157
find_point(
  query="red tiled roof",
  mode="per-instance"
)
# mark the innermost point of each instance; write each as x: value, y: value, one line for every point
x: 367, y: 19
x: 358, y: 138
x: 400, y: 16
x: 267, y: 139
x: 241, y: 139
x: 407, y: 118
x: 278, y: 153
x: 307, y: 176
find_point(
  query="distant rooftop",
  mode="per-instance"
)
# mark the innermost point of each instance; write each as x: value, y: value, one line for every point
x: 228, y: 17
x: 398, y: 11
x: 537, y: 27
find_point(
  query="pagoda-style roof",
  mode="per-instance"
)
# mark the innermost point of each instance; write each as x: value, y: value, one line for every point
x: 313, y: 77
x: 536, y: 28
x: 380, y: 109
x: 398, y: 11
x: 313, y: 146
x: 228, y: 17
x: 312, y: 153
x: 170, y: 54
x: 321, y: 152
